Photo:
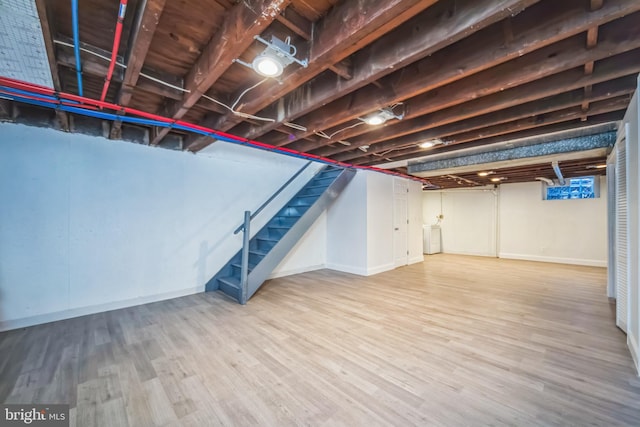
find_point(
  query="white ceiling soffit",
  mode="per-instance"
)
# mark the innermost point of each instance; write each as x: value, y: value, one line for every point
x: 22, y: 52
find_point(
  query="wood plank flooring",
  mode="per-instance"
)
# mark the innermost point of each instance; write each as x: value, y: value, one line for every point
x: 452, y: 341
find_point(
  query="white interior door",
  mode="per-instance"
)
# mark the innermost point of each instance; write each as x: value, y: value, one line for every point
x: 400, y: 223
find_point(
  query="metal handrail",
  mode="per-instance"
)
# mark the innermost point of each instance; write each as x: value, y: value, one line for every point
x: 273, y: 196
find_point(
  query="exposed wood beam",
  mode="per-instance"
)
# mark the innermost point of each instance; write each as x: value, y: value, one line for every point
x: 94, y: 66
x: 475, y: 54
x: 592, y: 41
x: 535, y: 124
x: 551, y: 60
x: 343, y: 69
x: 142, y: 35
x: 304, y: 28
x: 572, y: 99
x: 243, y: 21
x: 625, y: 65
x: 47, y: 34
x: 437, y: 27
x: 333, y: 41
x: 296, y: 23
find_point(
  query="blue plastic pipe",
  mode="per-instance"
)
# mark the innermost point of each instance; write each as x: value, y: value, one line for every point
x: 76, y: 43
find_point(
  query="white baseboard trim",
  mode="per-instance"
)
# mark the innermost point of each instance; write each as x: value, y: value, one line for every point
x: 635, y: 352
x: 380, y: 269
x: 292, y: 271
x: 39, y: 319
x: 347, y: 269
x: 574, y: 261
x: 467, y: 253
x: 416, y: 259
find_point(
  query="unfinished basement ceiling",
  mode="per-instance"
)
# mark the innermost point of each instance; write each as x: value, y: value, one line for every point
x: 463, y: 73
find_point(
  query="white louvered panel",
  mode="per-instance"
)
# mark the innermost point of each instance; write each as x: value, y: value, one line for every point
x: 622, y: 277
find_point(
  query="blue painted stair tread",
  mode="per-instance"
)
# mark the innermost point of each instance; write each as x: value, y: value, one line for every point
x: 269, y: 246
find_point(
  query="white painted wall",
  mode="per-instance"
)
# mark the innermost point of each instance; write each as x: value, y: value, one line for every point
x: 469, y: 223
x: 415, y: 223
x: 360, y: 225
x: 564, y: 231
x: 379, y: 223
x: 310, y: 253
x: 88, y: 224
x: 347, y: 228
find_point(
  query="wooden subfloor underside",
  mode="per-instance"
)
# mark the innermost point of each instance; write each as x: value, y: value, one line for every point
x: 452, y: 341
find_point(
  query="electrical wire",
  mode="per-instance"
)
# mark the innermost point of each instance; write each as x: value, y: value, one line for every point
x: 49, y: 98
x: 233, y: 106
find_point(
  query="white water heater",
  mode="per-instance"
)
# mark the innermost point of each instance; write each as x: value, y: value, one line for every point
x: 432, y: 239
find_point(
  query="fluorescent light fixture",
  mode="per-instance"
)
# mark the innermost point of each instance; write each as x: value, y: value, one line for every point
x: 496, y: 179
x: 486, y: 173
x: 596, y: 166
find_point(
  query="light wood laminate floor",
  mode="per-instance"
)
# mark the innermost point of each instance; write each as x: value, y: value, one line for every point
x: 452, y: 341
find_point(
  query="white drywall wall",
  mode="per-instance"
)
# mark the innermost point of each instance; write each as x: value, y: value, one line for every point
x: 89, y: 224
x: 379, y: 222
x: 469, y: 223
x: 564, y: 231
x: 347, y: 228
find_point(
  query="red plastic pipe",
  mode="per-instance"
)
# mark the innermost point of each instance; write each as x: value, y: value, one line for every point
x: 92, y: 104
x: 114, y: 50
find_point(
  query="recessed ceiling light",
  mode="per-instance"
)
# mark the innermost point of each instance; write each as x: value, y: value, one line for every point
x: 431, y: 143
x: 486, y: 173
x: 267, y: 65
x: 375, y: 120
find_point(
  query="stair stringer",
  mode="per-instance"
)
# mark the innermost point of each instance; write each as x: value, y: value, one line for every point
x: 262, y: 271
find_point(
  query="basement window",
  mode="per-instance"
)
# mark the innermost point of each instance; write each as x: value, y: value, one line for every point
x: 584, y: 187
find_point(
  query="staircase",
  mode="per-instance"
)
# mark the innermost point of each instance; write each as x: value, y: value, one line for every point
x: 268, y: 247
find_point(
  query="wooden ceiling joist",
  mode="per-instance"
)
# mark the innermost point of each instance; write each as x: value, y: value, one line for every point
x: 236, y: 35
x: 141, y: 37
x: 47, y: 33
x: 571, y: 99
x: 437, y: 27
x: 486, y: 56
x: 342, y: 32
x: 565, y: 115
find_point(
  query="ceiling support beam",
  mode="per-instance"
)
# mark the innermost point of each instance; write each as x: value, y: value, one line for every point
x: 598, y: 119
x: 243, y: 21
x: 627, y: 64
x: 437, y: 27
x: 592, y: 41
x: 470, y: 56
x: 532, y: 109
x: 565, y: 115
x: 304, y: 28
x: 343, y: 31
x: 47, y: 33
x: 142, y: 35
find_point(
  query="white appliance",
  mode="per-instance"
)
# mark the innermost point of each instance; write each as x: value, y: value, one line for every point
x: 432, y: 239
